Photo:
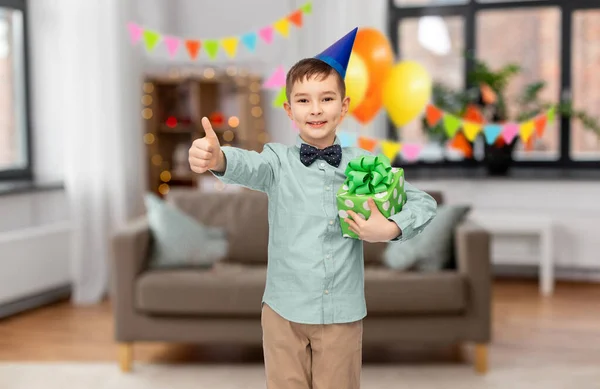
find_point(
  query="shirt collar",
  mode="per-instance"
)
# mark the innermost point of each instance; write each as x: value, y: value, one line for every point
x: 299, y: 141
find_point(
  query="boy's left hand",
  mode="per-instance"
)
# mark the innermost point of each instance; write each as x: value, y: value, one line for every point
x: 376, y: 229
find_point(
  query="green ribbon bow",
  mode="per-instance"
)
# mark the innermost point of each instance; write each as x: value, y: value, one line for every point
x: 369, y: 175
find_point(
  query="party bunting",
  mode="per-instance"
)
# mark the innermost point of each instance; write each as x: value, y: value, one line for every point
x: 473, y: 124
x: 282, y: 26
x: 230, y: 45
x: 390, y: 149
x: 151, y: 39
x: 526, y: 130
x: 277, y: 79
x: 347, y: 139
x: 249, y: 40
x: 193, y: 48
x: 452, y: 124
x: 367, y: 143
x: 280, y: 99
x: 471, y: 130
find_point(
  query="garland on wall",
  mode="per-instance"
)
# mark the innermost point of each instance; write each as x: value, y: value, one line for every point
x: 491, y: 131
x: 230, y: 44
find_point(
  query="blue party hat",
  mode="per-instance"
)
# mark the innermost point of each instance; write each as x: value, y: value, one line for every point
x: 338, y: 54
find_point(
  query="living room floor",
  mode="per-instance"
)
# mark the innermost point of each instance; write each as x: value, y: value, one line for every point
x: 527, y: 329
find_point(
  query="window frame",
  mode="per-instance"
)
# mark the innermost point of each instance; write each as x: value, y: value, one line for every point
x: 469, y: 12
x: 25, y: 173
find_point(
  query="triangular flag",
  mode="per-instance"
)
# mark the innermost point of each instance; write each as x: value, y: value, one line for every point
x: 280, y: 99
x: 471, y: 130
x: 433, y: 114
x: 347, y: 139
x: 276, y: 80
x: 509, y: 132
x: 540, y: 125
x: 283, y: 27
x: 367, y: 143
x: 526, y: 130
x: 249, y: 40
x: 296, y: 18
x: 230, y: 45
x: 551, y: 114
x: 211, y: 47
x: 193, y: 48
x: 266, y: 33
x: 307, y: 8
x: 491, y: 132
x: 411, y: 151
x: 452, y: 124
x: 390, y: 149
x: 172, y: 44
x: 151, y: 38
x: 135, y: 32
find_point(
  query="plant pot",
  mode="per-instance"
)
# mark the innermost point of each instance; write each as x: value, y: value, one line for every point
x: 498, y: 159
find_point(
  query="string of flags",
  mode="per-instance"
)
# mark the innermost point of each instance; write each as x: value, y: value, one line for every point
x: 491, y: 131
x: 409, y: 151
x: 230, y: 44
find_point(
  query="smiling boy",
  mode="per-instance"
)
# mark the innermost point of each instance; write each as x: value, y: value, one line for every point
x: 314, y: 303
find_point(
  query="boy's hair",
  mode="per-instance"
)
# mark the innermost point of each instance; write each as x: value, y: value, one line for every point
x: 307, y: 68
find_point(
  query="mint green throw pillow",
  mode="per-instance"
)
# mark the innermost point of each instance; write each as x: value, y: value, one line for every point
x: 431, y: 250
x: 179, y: 240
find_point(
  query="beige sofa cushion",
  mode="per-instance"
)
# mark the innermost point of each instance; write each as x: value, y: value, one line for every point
x: 236, y: 290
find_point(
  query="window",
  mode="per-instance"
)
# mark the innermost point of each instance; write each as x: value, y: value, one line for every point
x: 15, y: 161
x: 554, y: 42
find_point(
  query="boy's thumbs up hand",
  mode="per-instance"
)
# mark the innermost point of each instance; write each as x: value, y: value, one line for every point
x: 206, y: 153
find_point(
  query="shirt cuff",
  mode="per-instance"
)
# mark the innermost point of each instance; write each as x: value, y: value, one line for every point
x: 229, y: 175
x: 405, y: 221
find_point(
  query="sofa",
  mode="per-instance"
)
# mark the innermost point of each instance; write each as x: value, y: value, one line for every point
x: 221, y: 304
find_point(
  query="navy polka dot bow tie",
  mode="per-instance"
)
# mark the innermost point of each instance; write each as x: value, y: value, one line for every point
x: 331, y: 154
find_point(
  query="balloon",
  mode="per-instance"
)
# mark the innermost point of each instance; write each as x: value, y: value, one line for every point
x: 406, y: 91
x: 357, y: 80
x: 375, y: 49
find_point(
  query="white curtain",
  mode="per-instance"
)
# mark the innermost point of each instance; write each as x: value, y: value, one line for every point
x: 103, y: 150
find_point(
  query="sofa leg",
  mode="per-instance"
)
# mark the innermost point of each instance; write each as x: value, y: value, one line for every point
x: 481, y: 358
x: 125, y: 356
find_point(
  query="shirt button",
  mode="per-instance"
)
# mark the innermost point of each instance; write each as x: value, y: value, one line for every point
x: 328, y: 256
x: 326, y: 291
x: 322, y: 164
x: 327, y: 187
x: 331, y: 222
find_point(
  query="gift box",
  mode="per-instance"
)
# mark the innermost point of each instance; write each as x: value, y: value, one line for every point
x: 370, y: 176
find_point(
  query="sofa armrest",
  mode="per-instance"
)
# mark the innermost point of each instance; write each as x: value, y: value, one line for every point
x: 473, y: 259
x: 130, y: 246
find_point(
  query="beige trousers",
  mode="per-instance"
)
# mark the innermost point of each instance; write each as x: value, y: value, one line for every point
x: 309, y: 356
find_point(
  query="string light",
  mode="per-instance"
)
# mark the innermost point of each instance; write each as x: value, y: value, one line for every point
x: 157, y: 160
x: 163, y: 189
x: 231, y: 71
x: 256, y: 111
x: 149, y: 138
x: 228, y: 136
x: 254, y: 98
x: 147, y: 100
x: 148, y: 87
x: 233, y: 121
x: 165, y: 176
x: 255, y: 87
x: 147, y: 113
x: 209, y: 72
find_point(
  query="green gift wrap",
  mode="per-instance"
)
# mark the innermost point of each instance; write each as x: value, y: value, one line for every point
x: 370, y: 176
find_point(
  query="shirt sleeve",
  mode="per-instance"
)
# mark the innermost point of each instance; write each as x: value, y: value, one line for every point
x: 418, y: 211
x: 248, y: 168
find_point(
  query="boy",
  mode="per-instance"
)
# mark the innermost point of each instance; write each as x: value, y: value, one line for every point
x: 313, y: 304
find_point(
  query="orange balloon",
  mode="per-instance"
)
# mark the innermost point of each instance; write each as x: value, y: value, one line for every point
x: 375, y: 50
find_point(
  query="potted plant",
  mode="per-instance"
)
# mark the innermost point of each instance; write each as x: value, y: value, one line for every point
x: 499, y: 155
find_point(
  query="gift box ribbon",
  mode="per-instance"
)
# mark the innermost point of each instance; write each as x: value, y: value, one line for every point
x: 368, y: 175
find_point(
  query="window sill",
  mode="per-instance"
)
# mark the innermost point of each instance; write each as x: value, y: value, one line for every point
x: 25, y: 187
x: 516, y: 173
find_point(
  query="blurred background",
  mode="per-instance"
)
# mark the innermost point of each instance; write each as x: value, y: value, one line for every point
x: 121, y: 268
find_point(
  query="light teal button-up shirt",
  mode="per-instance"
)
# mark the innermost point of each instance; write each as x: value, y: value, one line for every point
x: 314, y: 275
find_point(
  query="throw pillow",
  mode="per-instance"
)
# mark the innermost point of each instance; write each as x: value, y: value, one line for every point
x: 180, y: 240
x: 431, y: 250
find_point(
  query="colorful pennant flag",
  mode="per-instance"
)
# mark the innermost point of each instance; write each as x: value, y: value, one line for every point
x: 211, y: 47
x: 151, y: 39
x: 249, y: 40
x: 411, y: 151
x: 526, y: 130
x: 433, y: 115
x: 282, y: 26
x: 230, y: 45
x: 135, y: 32
x: 390, y: 149
x: 277, y: 79
x: 540, y: 125
x: 280, y: 99
x: 296, y: 18
x: 347, y: 139
x: 266, y: 34
x: 491, y: 132
x: 510, y: 131
x: 366, y: 143
x: 172, y: 44
x: 307, y: 8
x: 193, y: 48
x: 471, y: 130
x: 452, y: 124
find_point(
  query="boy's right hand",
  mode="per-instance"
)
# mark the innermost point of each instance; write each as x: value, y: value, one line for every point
x: 206, y: 153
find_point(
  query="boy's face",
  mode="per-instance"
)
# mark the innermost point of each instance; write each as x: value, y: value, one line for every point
x: 317, y: 107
